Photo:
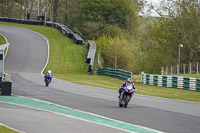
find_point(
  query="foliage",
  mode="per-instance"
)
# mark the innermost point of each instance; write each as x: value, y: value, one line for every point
x: 61, y: 10
x: 161, y: 43
x: 106, y: 12
x: 115, y: 52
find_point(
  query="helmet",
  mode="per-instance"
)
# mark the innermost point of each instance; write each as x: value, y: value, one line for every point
x: 129, y: 80
x: 49, y: 71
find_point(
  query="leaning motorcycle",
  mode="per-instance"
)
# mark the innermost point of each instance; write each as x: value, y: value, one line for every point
x: 126, y: 95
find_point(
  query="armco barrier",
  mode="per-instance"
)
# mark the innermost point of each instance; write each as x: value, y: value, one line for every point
x: 115, y: 73
x: 61, y: 27
x: 171, y: 81
x: 91, y: 55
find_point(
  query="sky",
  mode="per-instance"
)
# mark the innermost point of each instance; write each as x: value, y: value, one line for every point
x: 154, y: 3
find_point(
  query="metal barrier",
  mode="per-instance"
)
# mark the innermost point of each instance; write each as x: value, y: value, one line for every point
x: 91, y: 55
x: 61, y: 27
x: 115, y: 73
x: 171, y: 81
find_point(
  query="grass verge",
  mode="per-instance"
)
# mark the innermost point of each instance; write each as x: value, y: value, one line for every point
x: 6, y: 130
x: 67, y: 62
x: 3, y: 41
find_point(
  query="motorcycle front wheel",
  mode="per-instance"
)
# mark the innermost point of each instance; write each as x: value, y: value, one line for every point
x: 126, y: 100
x: 120, y: 104
x: 47, y: 83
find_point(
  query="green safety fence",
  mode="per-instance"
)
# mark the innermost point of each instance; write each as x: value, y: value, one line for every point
x: 171, y: 81
x: 186, y: 83
x: 148, y: 79
x: 198, y: 84
x: 164, y: 81
x: 115, y: 73
x: 155, y: 80
x: 174, y: 81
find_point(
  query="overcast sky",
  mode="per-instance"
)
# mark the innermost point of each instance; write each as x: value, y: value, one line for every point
x: 155, y: 3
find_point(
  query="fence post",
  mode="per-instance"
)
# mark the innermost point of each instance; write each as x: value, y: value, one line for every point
x: 166, y: 70
x: 190, y: 65
x: 171, y: 70
x: 177, y: 69
x: 162, y: 71
x: 99, y: 61
x: 197, y: 67
x: 184, y: 69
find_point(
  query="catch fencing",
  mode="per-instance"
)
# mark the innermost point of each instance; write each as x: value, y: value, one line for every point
x: 115, y: 73
x: 171, y: 81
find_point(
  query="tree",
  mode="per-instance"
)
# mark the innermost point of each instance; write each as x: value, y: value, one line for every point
x: 67, y: 10
x: 106, y: 12
x: 180, y: 27
x: 54, y: 6
x: 115, y: 52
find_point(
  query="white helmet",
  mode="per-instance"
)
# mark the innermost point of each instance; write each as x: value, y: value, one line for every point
x: 49, y: 71
x: 130, y: 80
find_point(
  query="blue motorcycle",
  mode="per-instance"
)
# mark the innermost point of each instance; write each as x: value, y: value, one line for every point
x: 47, y: 79
x: 126, y: 95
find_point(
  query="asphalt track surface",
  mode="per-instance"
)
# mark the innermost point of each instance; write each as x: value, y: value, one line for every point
x: 26, y: 57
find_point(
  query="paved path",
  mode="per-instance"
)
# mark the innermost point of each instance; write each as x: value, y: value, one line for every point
x: 165, y: 115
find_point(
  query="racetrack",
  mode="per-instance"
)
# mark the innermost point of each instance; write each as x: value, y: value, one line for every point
x: 26, y: 57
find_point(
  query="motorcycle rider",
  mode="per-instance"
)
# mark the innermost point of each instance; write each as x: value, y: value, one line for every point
x: 48, y: 75
x: 124, y: 84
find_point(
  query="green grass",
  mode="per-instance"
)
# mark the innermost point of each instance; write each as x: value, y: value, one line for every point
x: 6, y: 130
x: 2, y: 40
x: 67, y: 62
x: 165, y: 92
x: 190, y: 75
x: 92, y: 80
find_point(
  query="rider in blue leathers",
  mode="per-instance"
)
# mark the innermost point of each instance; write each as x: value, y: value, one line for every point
x: 48, y: 75
x: 124, y: 84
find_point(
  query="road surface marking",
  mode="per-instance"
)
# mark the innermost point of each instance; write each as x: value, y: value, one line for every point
x: 47, y: 106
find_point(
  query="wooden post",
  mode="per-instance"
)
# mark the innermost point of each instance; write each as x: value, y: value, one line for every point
x: 177, y: 69
x: 162, y: 70
x: 190, y: 65
x: 184, y: 69
x: 197, y: 67
x: 171, y: 70
x: 166, y: 70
